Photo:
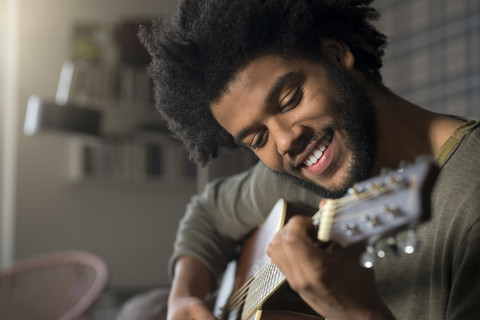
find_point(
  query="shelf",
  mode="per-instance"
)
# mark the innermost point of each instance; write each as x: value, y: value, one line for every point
x: 134, y: 147
x: 129, y: 160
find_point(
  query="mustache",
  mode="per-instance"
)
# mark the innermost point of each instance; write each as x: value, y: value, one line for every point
x: 300, y: 146
x: 303, y: 142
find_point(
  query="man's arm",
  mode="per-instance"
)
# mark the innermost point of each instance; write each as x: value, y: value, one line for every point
x: 215, y: 220
x: 191, y: 284
x: 226, y: 211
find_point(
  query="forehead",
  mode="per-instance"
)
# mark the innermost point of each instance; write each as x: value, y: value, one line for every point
x: 249, y: 88
x: 263, y: 68
x: 256, y: 77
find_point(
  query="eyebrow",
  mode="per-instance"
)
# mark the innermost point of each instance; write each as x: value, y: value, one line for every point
x: 274, y: 90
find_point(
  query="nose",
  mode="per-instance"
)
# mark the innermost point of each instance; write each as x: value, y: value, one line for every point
x: 287, y: 135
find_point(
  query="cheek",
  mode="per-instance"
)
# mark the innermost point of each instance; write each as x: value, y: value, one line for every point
x: 270, y: 158
x: 318, y: 103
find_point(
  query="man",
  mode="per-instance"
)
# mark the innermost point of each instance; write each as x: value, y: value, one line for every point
x: 298, y: 83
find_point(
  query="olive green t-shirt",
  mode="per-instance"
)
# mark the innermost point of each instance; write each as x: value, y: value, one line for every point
x: 441, y: 280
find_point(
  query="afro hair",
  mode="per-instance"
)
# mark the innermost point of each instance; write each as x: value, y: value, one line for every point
x: 197, y: 52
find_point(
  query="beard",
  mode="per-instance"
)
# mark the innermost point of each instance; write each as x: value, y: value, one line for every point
x: 357, y: 122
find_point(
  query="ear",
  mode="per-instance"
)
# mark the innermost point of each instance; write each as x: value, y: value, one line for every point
x: 337, y: 52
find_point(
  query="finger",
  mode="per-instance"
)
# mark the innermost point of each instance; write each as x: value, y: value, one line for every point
x: 201, y: 312
x: 322, y: 203
x: 299, y: 224
x: 330, y: 248
x: 293, y: 250
x: 352, y: 252
x: 292, y: 234
x: 190, y: 309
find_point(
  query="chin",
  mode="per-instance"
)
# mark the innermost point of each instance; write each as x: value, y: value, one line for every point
x: 312, y: 186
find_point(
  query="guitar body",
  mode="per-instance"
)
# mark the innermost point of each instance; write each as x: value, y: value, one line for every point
x: 283, y: 304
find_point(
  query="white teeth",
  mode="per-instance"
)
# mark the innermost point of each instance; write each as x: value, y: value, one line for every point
x: 318, y: 151
x: 326, y: 140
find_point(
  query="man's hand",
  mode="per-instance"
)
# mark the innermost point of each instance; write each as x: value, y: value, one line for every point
x: 330, y: 280
x: 191, y: 283
x: 188, y: 308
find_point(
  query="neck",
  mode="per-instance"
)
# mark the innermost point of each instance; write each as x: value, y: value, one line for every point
x: 406, y: 130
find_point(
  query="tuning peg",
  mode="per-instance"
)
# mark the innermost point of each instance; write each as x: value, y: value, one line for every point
x: 368, y: 258
x: 356, y: 189
x: 408, y: 244
x: 403, y: 164
x: 387, y: 248
x: 391, y: 212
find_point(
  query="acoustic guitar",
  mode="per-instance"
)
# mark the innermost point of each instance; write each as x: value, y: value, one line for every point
x: 382, y: 212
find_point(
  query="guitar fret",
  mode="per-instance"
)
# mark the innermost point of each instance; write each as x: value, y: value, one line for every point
x: 262, y: 292
x: 270, y: 281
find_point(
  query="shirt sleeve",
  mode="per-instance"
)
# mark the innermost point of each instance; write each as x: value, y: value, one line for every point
x: 229, y: 209
x: 465, y: 290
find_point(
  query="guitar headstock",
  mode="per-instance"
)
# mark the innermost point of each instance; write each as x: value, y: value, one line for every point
x: 380, y: 207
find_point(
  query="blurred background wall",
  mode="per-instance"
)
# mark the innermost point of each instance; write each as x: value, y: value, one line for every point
x: 432, y: 60
x: 130, y: 225
x: 433, y: 57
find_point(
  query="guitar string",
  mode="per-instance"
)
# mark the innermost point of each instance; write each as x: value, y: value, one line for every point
x: 255, y: 300
x: 350, y: 200
x: 236, y: 300
x: 239, y: 297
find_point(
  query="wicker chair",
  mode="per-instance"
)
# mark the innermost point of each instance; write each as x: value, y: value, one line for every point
x: 57, y: 286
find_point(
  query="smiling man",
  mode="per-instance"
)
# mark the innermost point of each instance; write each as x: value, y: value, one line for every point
x: 298, y: 83
x: 291, y: 112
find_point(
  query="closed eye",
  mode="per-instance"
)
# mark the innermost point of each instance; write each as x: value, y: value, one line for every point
x: 259, y: 139
x: 293, y: 100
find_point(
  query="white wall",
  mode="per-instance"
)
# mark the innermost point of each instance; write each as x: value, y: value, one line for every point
x: 131, y: 227
x: 9, y: 14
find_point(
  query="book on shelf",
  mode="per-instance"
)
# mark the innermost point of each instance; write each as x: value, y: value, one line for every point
x: 104, y: 85
x: 129, y: 160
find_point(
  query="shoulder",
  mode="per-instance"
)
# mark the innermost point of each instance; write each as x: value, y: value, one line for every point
x: 462, y: 167
x: 455, y: 198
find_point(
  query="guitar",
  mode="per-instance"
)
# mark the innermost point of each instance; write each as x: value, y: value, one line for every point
x: 381, y: 211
